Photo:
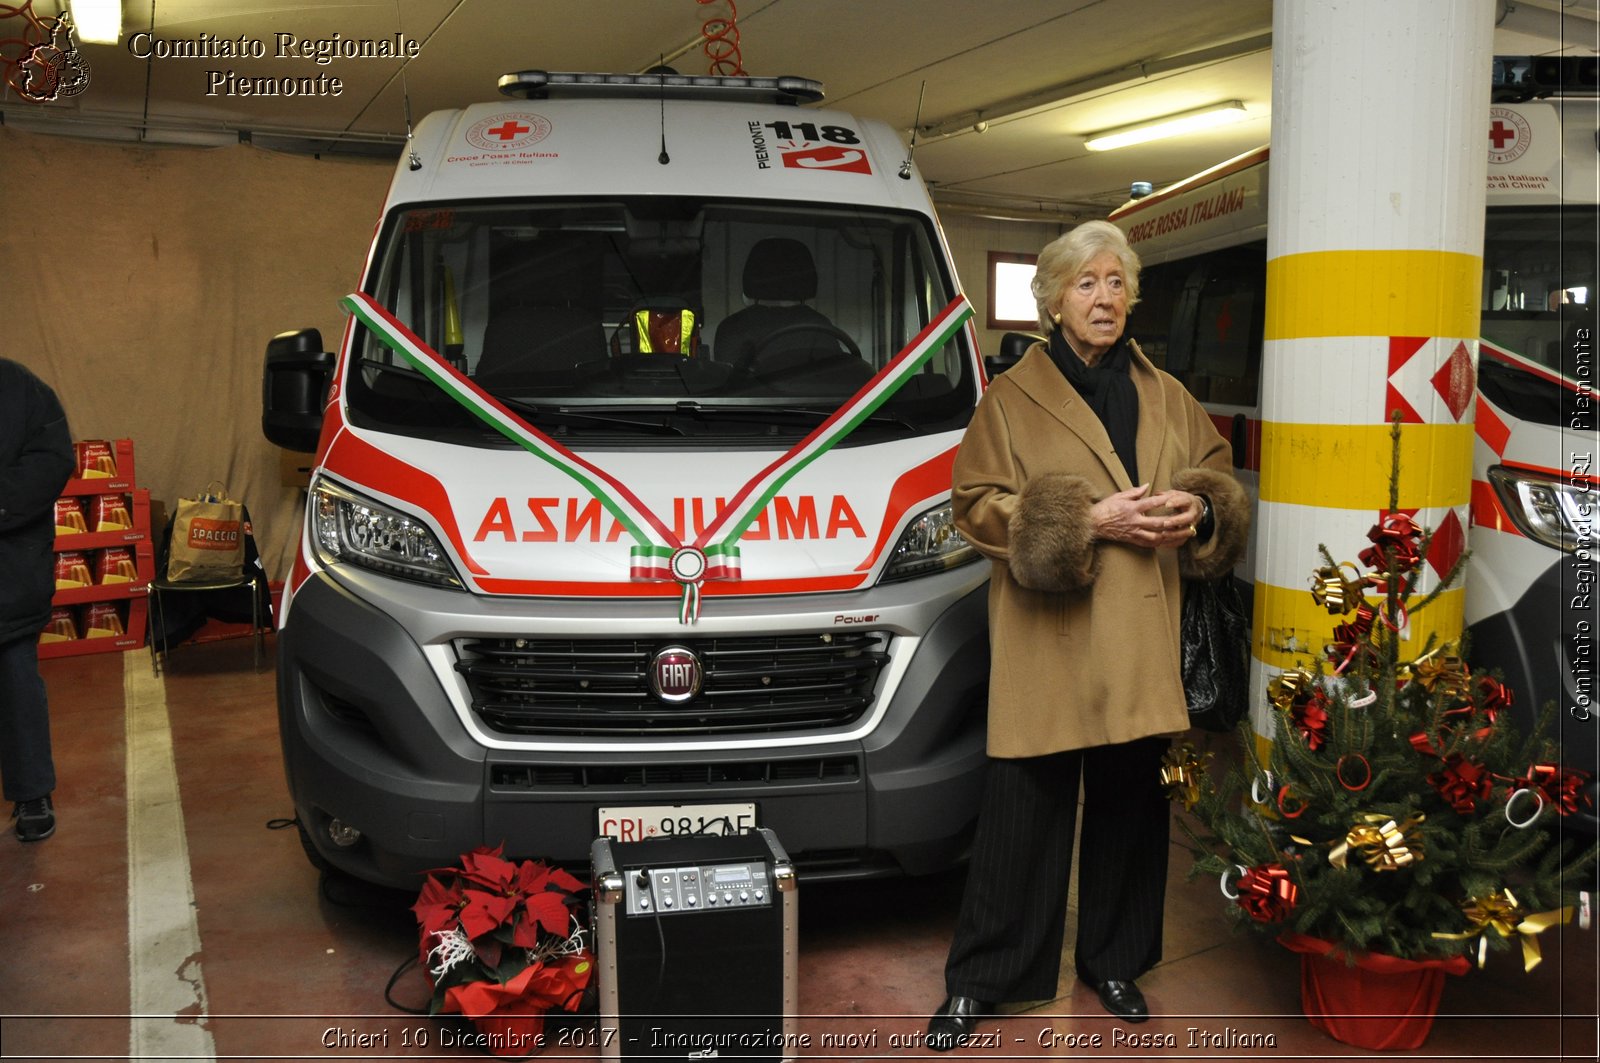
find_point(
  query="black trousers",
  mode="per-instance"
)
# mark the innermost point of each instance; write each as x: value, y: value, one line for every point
x: 25, y: 763
x: 1009, y: 936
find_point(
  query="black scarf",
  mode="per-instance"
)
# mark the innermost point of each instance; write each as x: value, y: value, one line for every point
x: 1109, y: 391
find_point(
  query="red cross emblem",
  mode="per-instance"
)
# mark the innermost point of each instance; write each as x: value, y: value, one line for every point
x: 507, y: 132
x: 508, y: 129
x: 1501, y: 134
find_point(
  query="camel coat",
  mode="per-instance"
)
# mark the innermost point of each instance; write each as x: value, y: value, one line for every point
x: 1084, y: 633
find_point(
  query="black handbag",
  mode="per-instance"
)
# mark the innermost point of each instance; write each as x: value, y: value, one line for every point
x: 1214, y: 642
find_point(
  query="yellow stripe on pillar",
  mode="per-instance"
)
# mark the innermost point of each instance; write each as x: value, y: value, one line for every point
x: 1373, y: 293
x: 1291, y: 629
x: 1346, y: 466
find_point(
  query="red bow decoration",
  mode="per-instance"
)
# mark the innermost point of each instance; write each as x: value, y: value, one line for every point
x: 1267, y: 894
x: 1396, y: 536
x: 1494, y: 696
x: 1463, y: 783
x: 1349, y: 639
x: 1310, y: 717
x: 1563, y: 789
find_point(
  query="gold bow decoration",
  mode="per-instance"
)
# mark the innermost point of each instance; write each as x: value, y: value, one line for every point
x: 1335, y: 592
x: 1181, y: 771
x: 1385, y: 844
x: 1283, y: 689
x: 1500, y: 912
x: 1441, y: 673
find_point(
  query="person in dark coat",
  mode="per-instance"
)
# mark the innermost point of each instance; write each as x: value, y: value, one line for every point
x: 35, y: 463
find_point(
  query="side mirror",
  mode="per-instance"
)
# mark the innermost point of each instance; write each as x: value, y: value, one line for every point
x: 294, y: 389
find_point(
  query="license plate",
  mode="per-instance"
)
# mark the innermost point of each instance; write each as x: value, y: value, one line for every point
x: 631, y: 823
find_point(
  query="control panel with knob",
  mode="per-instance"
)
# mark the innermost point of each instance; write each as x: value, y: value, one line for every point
x: 711, y: 887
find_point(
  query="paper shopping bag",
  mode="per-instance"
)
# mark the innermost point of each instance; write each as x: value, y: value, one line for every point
x: 207, y: 538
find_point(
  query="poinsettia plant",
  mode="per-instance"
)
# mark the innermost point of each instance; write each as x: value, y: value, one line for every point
x: 502, y: 936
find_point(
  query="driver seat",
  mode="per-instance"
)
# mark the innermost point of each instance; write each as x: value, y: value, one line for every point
x: 779, y: 276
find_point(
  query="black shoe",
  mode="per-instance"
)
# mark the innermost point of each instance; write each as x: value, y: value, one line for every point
x: 1123, y: 1000
x: 952, y: 1025
x: 36, y: 819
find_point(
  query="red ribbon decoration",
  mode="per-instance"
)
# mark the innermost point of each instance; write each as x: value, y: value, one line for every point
x: 1462, y: 782
x: 1561, y: 788
x: 1494, y: 696
x: 1267, y: 894
x: 1399, y: 534
x: 1310, y: 717
x: 1349, y: 639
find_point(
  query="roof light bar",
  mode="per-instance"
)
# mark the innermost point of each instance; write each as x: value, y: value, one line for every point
x: 1527, y: 77
x: 541, y: 84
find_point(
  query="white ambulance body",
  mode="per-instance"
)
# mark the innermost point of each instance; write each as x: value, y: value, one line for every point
x: 667, y: 286
x: 1531, y: 517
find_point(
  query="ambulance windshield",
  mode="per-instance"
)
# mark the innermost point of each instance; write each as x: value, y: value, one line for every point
x: 1539, y: 282
x: 700, y: 317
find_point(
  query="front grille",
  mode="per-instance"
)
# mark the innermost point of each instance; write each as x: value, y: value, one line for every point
x: 767, y: 684
x: 674, y: 776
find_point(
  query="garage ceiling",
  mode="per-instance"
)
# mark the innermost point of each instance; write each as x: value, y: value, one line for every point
x: 1007, y: 89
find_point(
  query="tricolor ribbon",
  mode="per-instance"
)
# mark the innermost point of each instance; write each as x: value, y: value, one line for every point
x: 658, y: 554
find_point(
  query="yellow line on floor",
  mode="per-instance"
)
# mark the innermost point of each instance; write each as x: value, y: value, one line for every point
x: 167, y: 990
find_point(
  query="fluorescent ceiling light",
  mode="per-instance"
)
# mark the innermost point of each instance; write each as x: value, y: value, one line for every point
x: 97, y: 21
x: 1170, y: 126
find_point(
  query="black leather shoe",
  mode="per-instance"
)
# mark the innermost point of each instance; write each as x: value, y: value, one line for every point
x: 1123, y: 1000
x: 952, y: 1025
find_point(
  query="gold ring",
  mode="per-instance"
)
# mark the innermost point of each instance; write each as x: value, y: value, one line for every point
x: 1193, y: 531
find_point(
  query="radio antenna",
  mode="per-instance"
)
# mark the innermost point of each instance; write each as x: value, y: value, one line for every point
x: 905, y: 167
x: 661, y: 72
x: 412, y: 158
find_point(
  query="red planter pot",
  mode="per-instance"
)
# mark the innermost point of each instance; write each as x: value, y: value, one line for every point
x: 1380, y: 1002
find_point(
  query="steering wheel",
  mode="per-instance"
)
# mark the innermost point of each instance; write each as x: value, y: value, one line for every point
x: 822, y: 328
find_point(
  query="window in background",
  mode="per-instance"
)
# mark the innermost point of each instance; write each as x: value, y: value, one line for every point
x: 1011, y: 302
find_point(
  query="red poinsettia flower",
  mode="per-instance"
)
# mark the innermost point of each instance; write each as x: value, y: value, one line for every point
x: 492, y: 919
x: 438, y: 909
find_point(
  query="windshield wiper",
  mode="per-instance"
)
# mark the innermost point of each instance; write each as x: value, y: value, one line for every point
x: 763, y: 413
x: 544, y: 412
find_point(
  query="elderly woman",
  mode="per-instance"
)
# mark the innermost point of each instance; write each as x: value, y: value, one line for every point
x: 1094, y: 483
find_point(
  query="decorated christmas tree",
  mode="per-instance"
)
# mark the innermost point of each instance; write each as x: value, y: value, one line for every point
x: 1398, y: 811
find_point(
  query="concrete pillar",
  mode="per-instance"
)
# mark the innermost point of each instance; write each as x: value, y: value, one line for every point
x: 1374, y: 273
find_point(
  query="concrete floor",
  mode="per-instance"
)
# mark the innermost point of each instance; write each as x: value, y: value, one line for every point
x: 167, y: 920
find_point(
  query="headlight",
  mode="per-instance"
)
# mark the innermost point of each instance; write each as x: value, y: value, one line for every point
x: 1546, y: 508
x: 347, y: 527
x: 930, y: 544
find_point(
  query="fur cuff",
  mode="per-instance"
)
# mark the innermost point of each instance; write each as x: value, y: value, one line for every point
x: 1052, y: 542
x: 1231, y: 510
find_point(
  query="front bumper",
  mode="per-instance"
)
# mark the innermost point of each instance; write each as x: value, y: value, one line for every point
x: 372, y: 737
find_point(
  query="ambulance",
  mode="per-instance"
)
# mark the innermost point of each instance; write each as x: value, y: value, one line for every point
x: 1529, y: 603
x: 630, y: 508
